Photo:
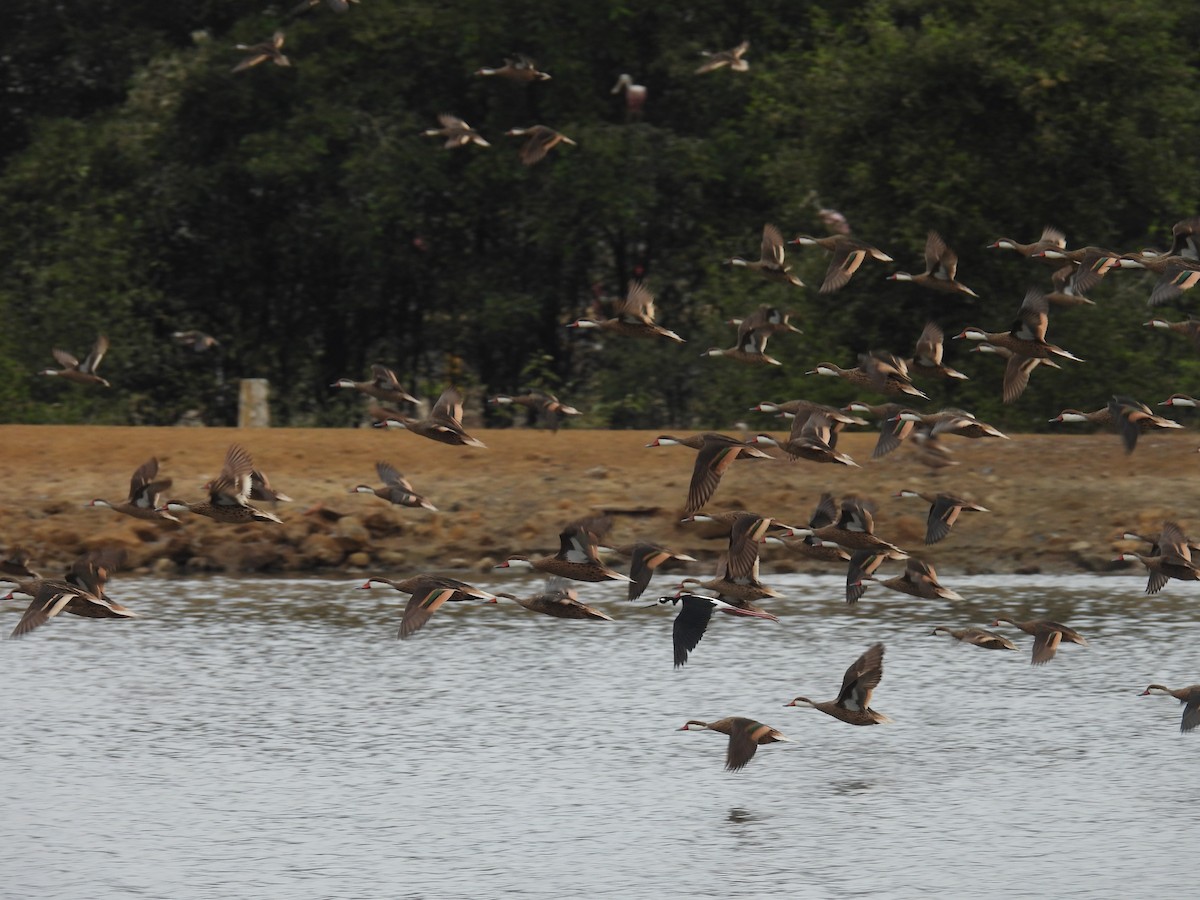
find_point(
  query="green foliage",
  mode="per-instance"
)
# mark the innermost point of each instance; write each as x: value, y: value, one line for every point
x: 299, y: 215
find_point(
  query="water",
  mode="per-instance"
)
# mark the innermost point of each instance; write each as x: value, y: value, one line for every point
x: 257, y: 738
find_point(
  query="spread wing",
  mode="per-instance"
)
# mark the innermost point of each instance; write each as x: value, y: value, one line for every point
x: 393, y: 479
x: 715, y: 456
x: 929, y: 345
x: 690, y: 625
x: 772, y: 245
x: 449, y: 408
x: 940, y: 260
x: 742, y: 745
x: 232, y: 486
x: 861, y: 679
x: 97, y: 354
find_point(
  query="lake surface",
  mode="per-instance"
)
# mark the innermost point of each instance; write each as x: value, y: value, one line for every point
x: 272, y: 738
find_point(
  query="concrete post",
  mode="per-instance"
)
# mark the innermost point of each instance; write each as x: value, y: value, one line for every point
x: 253, y: 409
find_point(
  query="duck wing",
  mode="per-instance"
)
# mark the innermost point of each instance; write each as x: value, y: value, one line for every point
x: 861, y: 679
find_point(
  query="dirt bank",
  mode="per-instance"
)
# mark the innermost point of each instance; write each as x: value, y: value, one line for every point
x: 1057, y: 502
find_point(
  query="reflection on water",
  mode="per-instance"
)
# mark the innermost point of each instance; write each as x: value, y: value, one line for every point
x: 272, y: 738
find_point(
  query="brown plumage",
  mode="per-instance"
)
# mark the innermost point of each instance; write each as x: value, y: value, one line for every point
x: 944, y: 510
x: 17, y: 564
x: 198, y: 341
x: 853, y: 527
x: 853, y: 702
x: 751, y: 347
x: 978, y: 637
x: 456, y: 132
x: 577, y: 557
x: 886, y: 374
x: 632, y: 316
x: 941, y: 269
x: 81, y: 593
x: 80, y: 372
x: 384, y: 385
x: 551, y: 411
x: 429, y: 593
x: 715, y: 455
x: 1047, y: 636
x: 918, y: 580
x: 927, y: 355
x: 721, y: 58
x: 848, y: 255
x: 1026, y: 339
x: 558, y: 600
x: 813, y: 437
x: 1188, y: 696
x: 1189, y: 328
x: 770, y: 263
x: 519, y: 68
x: 737, y: 579
x: 229, y: 493
x: 1051, y: 238
x: 145, y: 493
x: 1172, y: 559
x: 539, y: 140
x: 644, y: 559
x: 444, y: 424
x: 262, y: 51
x: 396, y: 489
x: 745, y: 736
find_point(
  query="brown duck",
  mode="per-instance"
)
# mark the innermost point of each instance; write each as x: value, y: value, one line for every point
x: 80, y: 372
x: 519, y: 68
x: 770, y: 263
x: 941, y: 269
x: 261, y: 52
x: 853, y: 527
x: 813, y: 437
x: 919, y: 578
x: 722, y: 58
x: 428, y: 594
x: 396, y: 489
x: 745, y: 736
x: 978, y: 637
x: 444, y: 424
x: 633, y: 316
x: 384, y: 385
x: 539, y: 140
x: 145, y: 493
x: 848, y: 255
x: 1047, y: 636
x: 229, y: 493
x: 557, y: 600
x: 80, y: 594
x: 577, y: 557
x: 644, y: 559
x: 853, y: 702
x: 944, y: 510
x: 1188, y: 696
x: 456, y: 132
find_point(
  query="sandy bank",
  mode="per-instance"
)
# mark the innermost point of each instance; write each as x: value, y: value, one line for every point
x: 1058, y: 502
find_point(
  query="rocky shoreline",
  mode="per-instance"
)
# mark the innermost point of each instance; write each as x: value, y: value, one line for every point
x: 1058, y: 503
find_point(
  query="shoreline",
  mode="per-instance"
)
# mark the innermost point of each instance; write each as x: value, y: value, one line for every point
x: 1058, y: 503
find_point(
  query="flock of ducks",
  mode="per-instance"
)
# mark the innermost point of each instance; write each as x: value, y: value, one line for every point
x: 837, y: 533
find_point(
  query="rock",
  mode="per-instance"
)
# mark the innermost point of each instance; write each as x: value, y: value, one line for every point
x: 200, y: 564
x: 485, y: 564
x: 163, y: 567
x: 359, y: 560
x: 1028, y: 569
x: 596, y: 472
x: 323, y: 549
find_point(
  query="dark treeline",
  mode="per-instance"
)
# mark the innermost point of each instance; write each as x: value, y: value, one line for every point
x: 299, y: 215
